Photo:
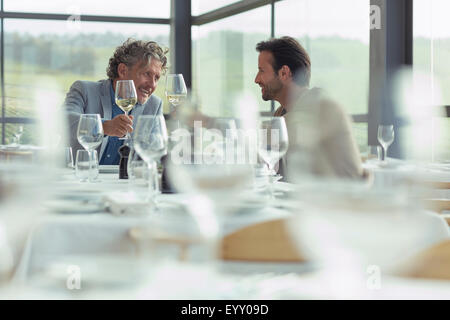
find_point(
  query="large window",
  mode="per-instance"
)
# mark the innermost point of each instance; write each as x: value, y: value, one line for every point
x: 431, y: 56
x: 336, y: 35
x: 40, y: 54
x: 203, y: 6
x: 225, y: 61
x: 130, y: 8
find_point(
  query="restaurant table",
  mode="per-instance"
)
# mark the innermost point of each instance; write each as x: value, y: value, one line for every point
x: 96, y: 234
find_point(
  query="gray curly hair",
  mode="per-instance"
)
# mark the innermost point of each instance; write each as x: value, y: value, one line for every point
x: 133, y: 51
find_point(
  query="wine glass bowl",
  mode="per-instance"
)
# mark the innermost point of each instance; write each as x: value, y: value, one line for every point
x: 125, y: 97
x: 272, y: 143
x: 176, y: 89
x: 385, y: 137
x: 151, y: 142
x: 90, y: 135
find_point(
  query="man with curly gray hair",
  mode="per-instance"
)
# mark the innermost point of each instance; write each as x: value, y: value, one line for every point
x: 141, y: 61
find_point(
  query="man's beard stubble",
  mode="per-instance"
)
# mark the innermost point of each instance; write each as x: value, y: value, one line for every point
x: 272, y: 89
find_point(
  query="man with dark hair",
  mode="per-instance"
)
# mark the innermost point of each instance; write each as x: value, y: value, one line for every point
x: 316, y: 124
x: 140, y: 61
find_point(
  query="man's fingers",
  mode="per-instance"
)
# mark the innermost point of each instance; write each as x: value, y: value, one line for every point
x: 125, y: 127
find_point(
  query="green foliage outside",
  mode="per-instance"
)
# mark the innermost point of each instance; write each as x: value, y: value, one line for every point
x: 224, y: 65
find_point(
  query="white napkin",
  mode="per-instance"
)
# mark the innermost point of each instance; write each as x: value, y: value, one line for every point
x: 127, y: 204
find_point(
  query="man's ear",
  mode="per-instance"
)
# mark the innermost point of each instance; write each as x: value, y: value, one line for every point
x: 122, y: 70
x: 285, y: 73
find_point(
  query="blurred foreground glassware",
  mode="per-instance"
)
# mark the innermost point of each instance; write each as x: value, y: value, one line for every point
x: 18, y: 134
x: 150, y: 142
x: 375, y: 154
x: 211, y: 162
x: 90, y: 134
x: 23, y: 189
x: 272, y: 144
x: 355, y: 234
x: 69, y: 158
x: 385, y: 137
x: 86, y: 166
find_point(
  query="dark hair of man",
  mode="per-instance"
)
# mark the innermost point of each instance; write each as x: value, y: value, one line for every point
x: 288, y: 51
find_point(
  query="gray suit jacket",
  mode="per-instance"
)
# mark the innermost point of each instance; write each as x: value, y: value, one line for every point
x: 95, y: 97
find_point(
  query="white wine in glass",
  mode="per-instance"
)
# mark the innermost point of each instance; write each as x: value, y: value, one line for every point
x: 385, y: 137
x: 176, y: 89
x: 126, y: 97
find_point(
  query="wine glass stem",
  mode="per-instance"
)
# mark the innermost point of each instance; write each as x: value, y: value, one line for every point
x: 385, y: 152
x: 127, y: 135
x: 153, y: 180
x: 271, y: 190
x: 90, y: 164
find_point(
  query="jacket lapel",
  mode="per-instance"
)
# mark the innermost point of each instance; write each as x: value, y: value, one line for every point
x: 106, y: 100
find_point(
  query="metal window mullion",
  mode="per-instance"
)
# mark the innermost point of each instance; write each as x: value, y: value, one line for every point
x: 230, y: 10
x: 91, y: 18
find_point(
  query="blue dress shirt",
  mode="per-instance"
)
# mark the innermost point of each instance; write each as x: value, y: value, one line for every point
x: 111, y: 154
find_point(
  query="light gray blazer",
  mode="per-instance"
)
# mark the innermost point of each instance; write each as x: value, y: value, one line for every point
x: 95, y: 97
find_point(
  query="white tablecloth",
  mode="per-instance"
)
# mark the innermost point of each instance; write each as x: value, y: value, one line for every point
x: 103, y: 235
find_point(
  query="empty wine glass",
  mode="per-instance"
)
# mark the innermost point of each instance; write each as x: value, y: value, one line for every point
x: 150, y: 142
x: 90, y: 135
x: 272, y: 144
x: 385, y: 137
x: 68, y: 155
x: 18, y: 134
x: 175, y: 89
x: 126, y: 98
x: 86, y: 165
x: 210, y: 162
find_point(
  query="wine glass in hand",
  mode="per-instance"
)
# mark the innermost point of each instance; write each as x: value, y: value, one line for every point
x: 90, y: 135
x: 126, y: 98
x: 385, y: 137
x: 272, y: 143
x: 175, y: 89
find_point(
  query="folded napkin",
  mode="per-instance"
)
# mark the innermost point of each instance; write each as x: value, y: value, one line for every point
x: 127, y: 204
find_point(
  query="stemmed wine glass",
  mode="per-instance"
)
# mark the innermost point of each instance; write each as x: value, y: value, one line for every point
x: 150, y: 142
x: 175, y: 89
x: 272, y: 144
x: 18, y: 134
x: 212, y: 164
x: 126, y: 98
x: 90, y: 135
x: 385, y: 137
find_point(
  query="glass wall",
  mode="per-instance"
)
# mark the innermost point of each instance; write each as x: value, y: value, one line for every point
x: 133, y: 8
x: 42, y: 54
x: 199, y: 7
x: 431, y: 56
x: 336, y: 36
x: 225, y: 60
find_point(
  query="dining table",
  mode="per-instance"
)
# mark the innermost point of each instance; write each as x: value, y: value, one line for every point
x: 80, y: 248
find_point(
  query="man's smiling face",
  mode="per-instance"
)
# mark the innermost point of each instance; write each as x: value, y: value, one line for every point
x: 267, y: 78
x: 145, y: 77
